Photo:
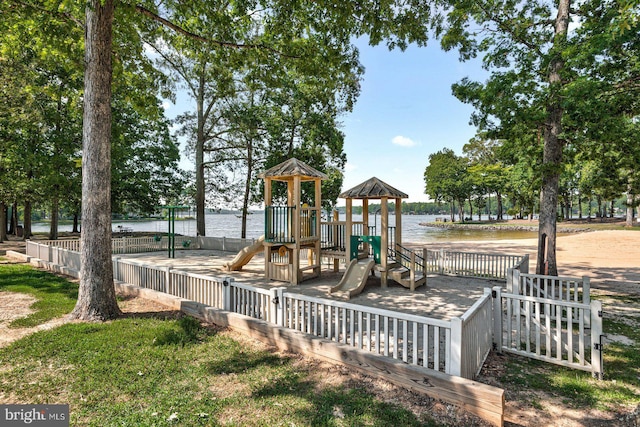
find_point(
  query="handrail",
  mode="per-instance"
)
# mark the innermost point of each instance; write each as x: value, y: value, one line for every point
x: 419, y: 260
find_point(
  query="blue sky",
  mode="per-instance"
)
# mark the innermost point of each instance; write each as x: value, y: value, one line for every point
x: 405, y: 112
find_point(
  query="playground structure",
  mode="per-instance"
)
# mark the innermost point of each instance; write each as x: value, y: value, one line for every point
x: 171, y: 228
x: 392, y: 260
x: 293, y: 229
x: 295, y: 240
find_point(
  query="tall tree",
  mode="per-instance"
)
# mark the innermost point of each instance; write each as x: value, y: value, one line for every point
x: 447, y: 179
x: 540, y: 70
x: 96, y: 295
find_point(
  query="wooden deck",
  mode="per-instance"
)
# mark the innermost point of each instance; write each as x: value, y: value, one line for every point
x: 443, y: 297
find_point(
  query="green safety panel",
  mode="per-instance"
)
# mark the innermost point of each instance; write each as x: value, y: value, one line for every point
x: 374, y: 241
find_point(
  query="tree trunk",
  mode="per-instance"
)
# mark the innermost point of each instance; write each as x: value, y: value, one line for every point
x: 3, y: 222
x: 579, y: 205
x: 552, y: 153
x: 630, y: 205
x: 200, y: 193
x: 499, y: 215
x: 452, y: 208
x: 612, y: 209
x: 96, y: 295
x: 53, y: 229
x: 26, y: 229
x: 13, y: 220
x: 75, y: 223
x: 247, y: 188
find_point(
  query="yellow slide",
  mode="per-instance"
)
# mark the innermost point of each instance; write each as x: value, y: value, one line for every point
x: 354, y: 279
x: 245, y: 255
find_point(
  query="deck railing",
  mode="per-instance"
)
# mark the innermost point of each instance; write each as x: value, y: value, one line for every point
x: 279, y: 220
x: 332, y: 234
x: 469, y: 264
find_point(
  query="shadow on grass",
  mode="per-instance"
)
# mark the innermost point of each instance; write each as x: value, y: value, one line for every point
x: 323, y: 404
x: 187, y: 331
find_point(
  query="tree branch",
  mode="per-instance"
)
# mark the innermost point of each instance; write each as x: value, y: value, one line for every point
x: 200, y: 38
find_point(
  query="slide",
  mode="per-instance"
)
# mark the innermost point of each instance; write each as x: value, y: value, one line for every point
x: 245, y: 255
x: 355, y: 278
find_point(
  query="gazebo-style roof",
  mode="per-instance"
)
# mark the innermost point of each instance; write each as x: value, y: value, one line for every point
x: 373, y: 188
x: 292, y: 167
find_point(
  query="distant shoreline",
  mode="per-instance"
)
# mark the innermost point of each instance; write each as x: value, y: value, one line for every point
x: 519, y: 226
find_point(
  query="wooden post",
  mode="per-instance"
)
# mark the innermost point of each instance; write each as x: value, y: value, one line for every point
x: 167, y: 279
x: 497, y: 318
x: 365, y: 222
x: 398, y: 212
x: 384, y: 245
x: 412, y: 271
x: 455, y: 362
x: 226, y: 293
x: 318, y: 226
x: 347, y: 230
x: 336, y: 239
x: 596, y: 339
x: 296, y: 279
x: 424, y: 266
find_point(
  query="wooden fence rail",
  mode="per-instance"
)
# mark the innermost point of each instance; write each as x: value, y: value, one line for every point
x: 469, y: 264
x: 562, y: 332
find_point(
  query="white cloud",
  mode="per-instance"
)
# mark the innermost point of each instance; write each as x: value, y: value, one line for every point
x: 403, y: 141
x: 166, y: 105
x: 350, y: 167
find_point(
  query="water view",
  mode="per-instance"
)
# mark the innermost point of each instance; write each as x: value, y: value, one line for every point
x: 229, y: 225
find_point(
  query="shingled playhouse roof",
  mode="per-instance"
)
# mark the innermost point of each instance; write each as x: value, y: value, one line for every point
x: 373, y: 188
x: 292, y: 167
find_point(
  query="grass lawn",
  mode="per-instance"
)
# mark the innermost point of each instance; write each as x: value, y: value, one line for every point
x: 144, y: 371
x: 150, y: 371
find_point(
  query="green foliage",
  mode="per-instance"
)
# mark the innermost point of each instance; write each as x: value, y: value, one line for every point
x: 447, y: 178
x: 55, y: 296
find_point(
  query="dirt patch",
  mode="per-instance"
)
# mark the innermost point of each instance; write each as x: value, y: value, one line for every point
x: 17, y: 305
x: 529, y: 408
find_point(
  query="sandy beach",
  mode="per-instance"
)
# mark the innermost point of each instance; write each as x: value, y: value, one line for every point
x: 610, y: 258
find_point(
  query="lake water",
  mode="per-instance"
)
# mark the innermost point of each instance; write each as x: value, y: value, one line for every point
x: 219, y: 225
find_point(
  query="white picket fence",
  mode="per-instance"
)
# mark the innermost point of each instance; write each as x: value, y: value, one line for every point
x: 413, y: 339
x: 129, y: 245
x: 227, y: 244
x: 556, y: 331
x: 469, y: 264
x: 553, y: 328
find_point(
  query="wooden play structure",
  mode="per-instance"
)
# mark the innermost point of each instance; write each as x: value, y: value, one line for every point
x: 295, y: 240
x: 292, y: 231
x: 361, y: 240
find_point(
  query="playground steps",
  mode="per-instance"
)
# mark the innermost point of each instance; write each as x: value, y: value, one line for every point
x: 402, y: 275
